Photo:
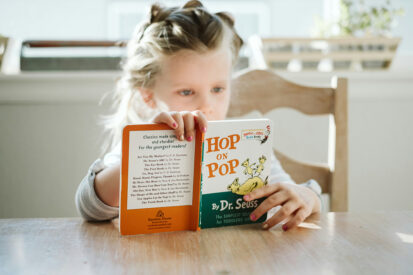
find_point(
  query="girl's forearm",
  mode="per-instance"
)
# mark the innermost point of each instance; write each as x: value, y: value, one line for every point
x: 107, y: 185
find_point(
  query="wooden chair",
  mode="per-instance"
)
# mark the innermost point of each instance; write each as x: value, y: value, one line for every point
x: 270, y: 91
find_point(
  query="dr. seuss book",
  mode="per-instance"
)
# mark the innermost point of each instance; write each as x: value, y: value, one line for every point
x: 170, y: 185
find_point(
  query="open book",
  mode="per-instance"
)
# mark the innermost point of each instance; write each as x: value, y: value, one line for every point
x: 170, y: 185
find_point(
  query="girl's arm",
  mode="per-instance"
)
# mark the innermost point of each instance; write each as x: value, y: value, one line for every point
x: 107, y: 185
x: 88, y: 204
x: 278, y: 174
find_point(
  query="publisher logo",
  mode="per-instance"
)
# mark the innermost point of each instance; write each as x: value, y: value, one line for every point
x: 159, y: 221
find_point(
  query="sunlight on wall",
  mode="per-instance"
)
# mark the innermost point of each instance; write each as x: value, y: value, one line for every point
x: 406, y: 238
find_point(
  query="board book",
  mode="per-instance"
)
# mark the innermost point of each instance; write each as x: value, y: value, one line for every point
x: 170, y: 185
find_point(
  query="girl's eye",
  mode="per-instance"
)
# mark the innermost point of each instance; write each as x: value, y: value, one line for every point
x: 185, y: 92
x: 217, y: 89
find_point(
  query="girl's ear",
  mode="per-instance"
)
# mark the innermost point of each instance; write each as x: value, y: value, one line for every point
x: 148, y: 97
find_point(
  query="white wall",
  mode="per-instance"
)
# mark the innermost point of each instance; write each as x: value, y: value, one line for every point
x: 48, y: 139
x: 45, y: 150
x: 381, y: 154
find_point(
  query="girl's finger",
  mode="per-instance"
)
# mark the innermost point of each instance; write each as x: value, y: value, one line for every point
x: 285, y: 211
x: 263, y: 191
x: 179, y: 130
x: 164, y: 117
x: 298, y: 218
x: 201, y: 120
x: 189, y: 124
x: 275, y: 199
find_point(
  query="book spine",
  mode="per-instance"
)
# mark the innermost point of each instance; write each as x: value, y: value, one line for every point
x: 200, y: 188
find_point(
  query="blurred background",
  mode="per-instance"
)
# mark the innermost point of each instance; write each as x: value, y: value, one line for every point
x: 50, y: 97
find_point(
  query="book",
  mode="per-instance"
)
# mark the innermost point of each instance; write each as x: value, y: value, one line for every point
x: 171, y: 185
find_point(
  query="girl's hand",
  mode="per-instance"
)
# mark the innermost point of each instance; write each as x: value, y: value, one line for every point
x: 183, y: 122
x: 298, y: 202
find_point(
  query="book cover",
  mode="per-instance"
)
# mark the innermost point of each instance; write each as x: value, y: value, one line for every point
x: 170, y: 185
x: 236, y: 160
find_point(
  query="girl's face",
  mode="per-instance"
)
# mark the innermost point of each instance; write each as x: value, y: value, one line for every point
x: 191, y: 81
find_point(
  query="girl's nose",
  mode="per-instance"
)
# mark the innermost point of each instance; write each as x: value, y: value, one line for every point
x: 206, y: 106
x: 208, y: 114
x: 206, y: 111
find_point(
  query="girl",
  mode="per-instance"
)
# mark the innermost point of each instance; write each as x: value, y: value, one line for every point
x: 178, y: 72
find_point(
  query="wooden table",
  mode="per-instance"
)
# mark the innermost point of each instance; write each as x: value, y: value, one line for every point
x: 332, y: 243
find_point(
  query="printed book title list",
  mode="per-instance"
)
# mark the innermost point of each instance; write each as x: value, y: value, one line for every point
x: 161, y: 170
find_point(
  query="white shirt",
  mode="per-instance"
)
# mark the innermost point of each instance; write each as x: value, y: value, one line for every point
x: 91, y: 208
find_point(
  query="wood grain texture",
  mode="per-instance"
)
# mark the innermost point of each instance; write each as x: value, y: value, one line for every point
x: 331, y: 243
x: 264, y: 90
x: 339, y: 186
x: 257, y: 89
x: 302, y: 171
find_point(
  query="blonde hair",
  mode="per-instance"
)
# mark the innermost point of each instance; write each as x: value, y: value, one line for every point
x: 165, y: 32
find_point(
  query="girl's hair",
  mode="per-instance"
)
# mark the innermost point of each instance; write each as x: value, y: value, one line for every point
x: 165, y: 32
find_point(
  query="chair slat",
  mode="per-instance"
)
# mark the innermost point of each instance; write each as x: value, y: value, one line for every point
x: 276, y: 92
x: 301, y: 171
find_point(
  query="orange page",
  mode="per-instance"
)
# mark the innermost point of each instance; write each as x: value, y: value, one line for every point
x: 160, y: 180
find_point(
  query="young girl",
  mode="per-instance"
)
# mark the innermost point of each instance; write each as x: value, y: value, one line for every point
x: 178, y: 72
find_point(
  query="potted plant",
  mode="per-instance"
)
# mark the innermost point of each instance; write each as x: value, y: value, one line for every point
x: 371, y: 24
x: 362, y: 20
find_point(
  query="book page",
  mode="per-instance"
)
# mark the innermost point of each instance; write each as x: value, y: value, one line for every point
x: 161, y: 170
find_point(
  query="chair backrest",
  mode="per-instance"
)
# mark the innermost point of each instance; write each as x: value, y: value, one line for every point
x: 264, y: 91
